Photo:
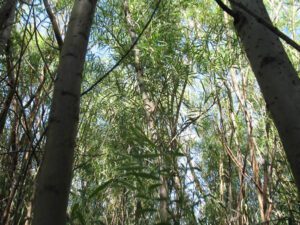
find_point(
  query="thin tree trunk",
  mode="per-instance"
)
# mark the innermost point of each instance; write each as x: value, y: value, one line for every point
x: 253, y: 149
x: 237, y: 209
x: 28, y: 213
x: 12, y: 159
x: 13, y: 84
x: 54, y: 23
x: 18, y: 178
x: 277, y: 78
x: 149, y: 107
x: 54, y: 179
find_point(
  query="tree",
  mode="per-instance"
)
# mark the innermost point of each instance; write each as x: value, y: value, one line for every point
x: 207, y: 131
x: 54, y: 179
x: 277, y: 78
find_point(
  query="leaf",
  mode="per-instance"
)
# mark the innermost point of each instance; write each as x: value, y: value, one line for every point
x: 80, y: 217
x: 144, y: 175
x: 127, y: 185
x: 100, y: 188
x: 74, y: 209
x: 76, y: 214
x: 141, y: 136
x: 146, y: 155
x: 143, y: 196
x: 154, y: 186
x: 148, y: 210
x: 178, y: 154
x: 130, y: 168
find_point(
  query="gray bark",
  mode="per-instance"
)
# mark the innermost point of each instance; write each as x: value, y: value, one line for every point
x: 277, y: 78
x: 7, y: 17
x: 54, y: 179
x: 54, y: 23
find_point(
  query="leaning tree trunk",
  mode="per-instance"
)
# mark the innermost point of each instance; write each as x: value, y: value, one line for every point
x: 54, y: 179
x: 277, y: 78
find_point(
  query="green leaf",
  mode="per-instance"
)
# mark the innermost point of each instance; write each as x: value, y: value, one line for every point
x: 100, y: 188
x: 154, y: 186
x: 130, y: 168
x: 127, y: 185
x: 80, y: 217
x: 144, y: 175
x: 146, y: 155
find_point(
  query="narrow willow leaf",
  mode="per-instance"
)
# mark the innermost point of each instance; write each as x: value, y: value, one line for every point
x: 100, y: 188
x: 144, y: 175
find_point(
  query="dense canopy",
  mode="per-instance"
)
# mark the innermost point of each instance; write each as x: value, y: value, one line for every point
x: 138, y: 112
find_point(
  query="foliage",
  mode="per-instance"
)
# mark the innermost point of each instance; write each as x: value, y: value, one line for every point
x: 214, y: 139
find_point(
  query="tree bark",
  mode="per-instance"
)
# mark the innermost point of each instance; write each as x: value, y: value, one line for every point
x: 54, y: 179
x: 54, y: 23
x: 276, y: 76
x: 12, y: 87
x: 7, y: 17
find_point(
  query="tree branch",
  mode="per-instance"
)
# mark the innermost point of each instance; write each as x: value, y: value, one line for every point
x: 126, y: 54
x: 260, y: 20
x: 54, y: 23
x: 225, y: 8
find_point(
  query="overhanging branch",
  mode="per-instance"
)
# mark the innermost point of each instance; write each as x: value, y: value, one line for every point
x: 260, y: 20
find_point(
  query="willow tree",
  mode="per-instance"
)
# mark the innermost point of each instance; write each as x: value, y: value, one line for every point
x: 277, y: 78
x: 207, y: 130
x: 54, y: 179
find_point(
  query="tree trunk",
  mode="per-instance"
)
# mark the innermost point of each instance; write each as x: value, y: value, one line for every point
x: 149, y: 107
x: 12, y: 88
x: 277, y: 78
x: 54, y: 179
x: 7, y: 17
